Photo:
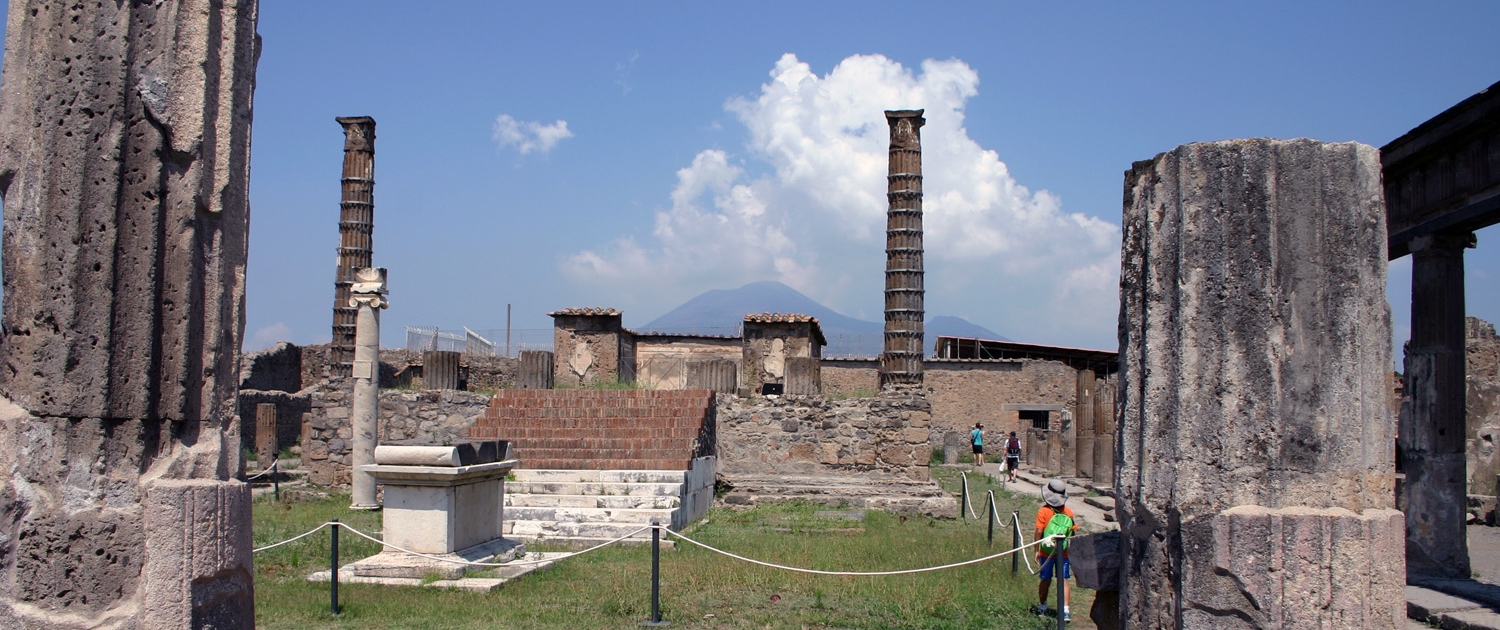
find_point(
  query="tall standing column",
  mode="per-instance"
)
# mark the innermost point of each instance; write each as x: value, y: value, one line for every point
x: 1256, y: 481
x: 125, y: 170
x: 368, y: 293
x: 1432, y: 425
x: 901, y: 362
x: 356, y: 233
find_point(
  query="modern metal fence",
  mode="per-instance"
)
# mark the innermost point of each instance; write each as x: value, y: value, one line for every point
x: 486, y: 342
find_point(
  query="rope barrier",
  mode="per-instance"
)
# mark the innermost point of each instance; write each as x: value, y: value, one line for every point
x: 492, y: 564
x: 1019, y: 532
x: 264, y: 472
x: 856, y: 573
x: 965, y: 476
x: 293, y: 539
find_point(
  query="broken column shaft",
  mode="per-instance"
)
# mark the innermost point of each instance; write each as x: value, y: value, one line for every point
x: 368, y: 297
x: 1255, y: 486
x: 901, y: 361
x: 1433, y: 422
x: 124, y: 165
x: 356, y: 233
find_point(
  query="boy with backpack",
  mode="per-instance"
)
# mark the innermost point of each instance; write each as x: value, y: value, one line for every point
x: 1054, y: 518
x: 1012, y: 456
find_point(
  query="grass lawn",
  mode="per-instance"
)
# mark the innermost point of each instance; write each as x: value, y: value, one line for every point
x: 611, y: 588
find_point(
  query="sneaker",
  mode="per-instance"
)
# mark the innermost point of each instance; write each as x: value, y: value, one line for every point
x: 1040, y: 610
x: 1067, y: 617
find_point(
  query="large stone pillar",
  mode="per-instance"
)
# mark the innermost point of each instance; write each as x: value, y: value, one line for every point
x: 1256, y: 472
x: 1433, y: 421
x: 368, y: 297
x: 356, y: 234
x: 124, y: 167
x: 901, y: 362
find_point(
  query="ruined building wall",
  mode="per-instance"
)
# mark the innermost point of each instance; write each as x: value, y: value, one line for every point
x: 1483, y: 434
x: 662, y: 361
x: 812, y: 435
x: 124, y: 166
x: 429, y: 416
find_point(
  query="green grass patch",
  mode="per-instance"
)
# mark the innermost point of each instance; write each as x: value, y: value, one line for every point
x: 610, y: 588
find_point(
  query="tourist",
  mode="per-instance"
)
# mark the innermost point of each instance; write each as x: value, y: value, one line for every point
x: 1054, y: 518
x: 1012, y: 456
x: 977, y: 437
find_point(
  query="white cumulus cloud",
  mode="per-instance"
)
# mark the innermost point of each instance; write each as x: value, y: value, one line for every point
x: 528, y: 136
x: 997, y: 253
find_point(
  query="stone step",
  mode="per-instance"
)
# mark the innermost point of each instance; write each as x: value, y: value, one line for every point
x: 542, y: 530
x: 591, y: 515
x: 599, y: 488
x: 1103, y: 503
x: 617, y: 476
x: 570, y: 460
x: 591, y: 501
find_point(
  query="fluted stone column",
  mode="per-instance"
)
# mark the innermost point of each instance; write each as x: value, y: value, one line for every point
x: 1432, y: 424
x: 1257, y: 470
x: 356, y: 233
x: 901, y: 362
x: 368, y: 297
x: 124, y: 166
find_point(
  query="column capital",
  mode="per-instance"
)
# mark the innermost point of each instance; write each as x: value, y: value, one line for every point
x: 369, y: 288
x: 1449, y: 241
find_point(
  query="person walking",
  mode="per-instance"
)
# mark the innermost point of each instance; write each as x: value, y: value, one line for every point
x: 1054, y: 518
x: 1012, y: 456
x: 977, y: 437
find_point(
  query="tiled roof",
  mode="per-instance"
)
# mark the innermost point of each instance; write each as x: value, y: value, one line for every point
x: 780, y: 318
x: 598, y: 311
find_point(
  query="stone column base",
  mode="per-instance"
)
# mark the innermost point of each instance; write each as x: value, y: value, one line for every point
x: 1296, y: 568
x: 199, y: 570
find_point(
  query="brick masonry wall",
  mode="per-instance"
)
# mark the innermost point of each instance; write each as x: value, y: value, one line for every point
x: 965, y: 392
x: 436, y: 417
x: 602, y: 429
x: 811, y: 435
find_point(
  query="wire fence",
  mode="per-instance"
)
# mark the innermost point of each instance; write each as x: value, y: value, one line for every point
x: 484, y: 342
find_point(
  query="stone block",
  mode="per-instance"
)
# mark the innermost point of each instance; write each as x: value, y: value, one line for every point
x: 198, y: 570
x: 1095, y: 560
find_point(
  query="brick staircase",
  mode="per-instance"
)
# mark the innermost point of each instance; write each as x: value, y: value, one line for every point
x: 597, y: 464
x: 634, y: 429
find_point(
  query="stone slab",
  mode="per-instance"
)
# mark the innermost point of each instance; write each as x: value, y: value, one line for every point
x: 1423, y: 603
x: 397, y: 564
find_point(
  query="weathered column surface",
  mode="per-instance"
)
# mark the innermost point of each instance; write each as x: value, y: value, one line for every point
x: 1085, y: 424
x: 368, y: 297
x: 356, y: 233
x: 1433, y: 424
x: 901, y: 361
x: 124, y: 166
x: 1256, y: 469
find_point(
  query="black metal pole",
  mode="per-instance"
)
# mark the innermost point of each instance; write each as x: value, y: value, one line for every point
x: 1015, y: 542
x: 276, y: 478
x: 1062, y: 582
x: 656, y: 578
x: 989, y: 516
x: 333, y: 561
x: 964, y: 496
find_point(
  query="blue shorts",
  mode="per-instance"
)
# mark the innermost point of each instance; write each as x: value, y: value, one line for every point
x: 1046, y: 573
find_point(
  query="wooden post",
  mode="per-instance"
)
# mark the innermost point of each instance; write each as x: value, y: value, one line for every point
x: 265, y: 434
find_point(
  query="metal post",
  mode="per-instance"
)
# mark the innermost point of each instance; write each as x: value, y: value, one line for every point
x: 656, y: 578
x: 989, y: 517
x: 276, y: 478
x: 963, y: 496
x: 333, y: 562
x: 507, y: 330
x: 1015, y: 542
x: 1062, y: 620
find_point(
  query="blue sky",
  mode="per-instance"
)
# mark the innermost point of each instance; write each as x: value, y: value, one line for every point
x: 636, y: 154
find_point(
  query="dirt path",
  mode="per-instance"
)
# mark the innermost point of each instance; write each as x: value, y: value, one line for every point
x: 1484, y: 553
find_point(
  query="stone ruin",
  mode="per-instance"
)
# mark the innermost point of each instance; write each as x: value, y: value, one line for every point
x: 124, y: 165
x: 1256, y: 479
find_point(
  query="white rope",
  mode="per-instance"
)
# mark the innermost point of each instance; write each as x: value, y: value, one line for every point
x: 264, y: 472
x: 1017, y: 521
x: 494, y: 564
x: 857, y: 573
x: 291, y: 540
x: 966, y: 493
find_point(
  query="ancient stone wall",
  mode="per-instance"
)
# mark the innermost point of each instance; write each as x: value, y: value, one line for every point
x: 1256, y: 482
x: 965, y: 392
x: 290, y: 408
x: 1483, y: 407
x: 276, y: 369
x: 858, y: 378
x: 886, y: 436
x: 435, y: 416
x: 588, y: 345
x: 662, y: 360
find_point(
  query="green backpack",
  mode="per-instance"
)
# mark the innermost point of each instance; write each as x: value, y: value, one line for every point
x: 1060, y: 524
